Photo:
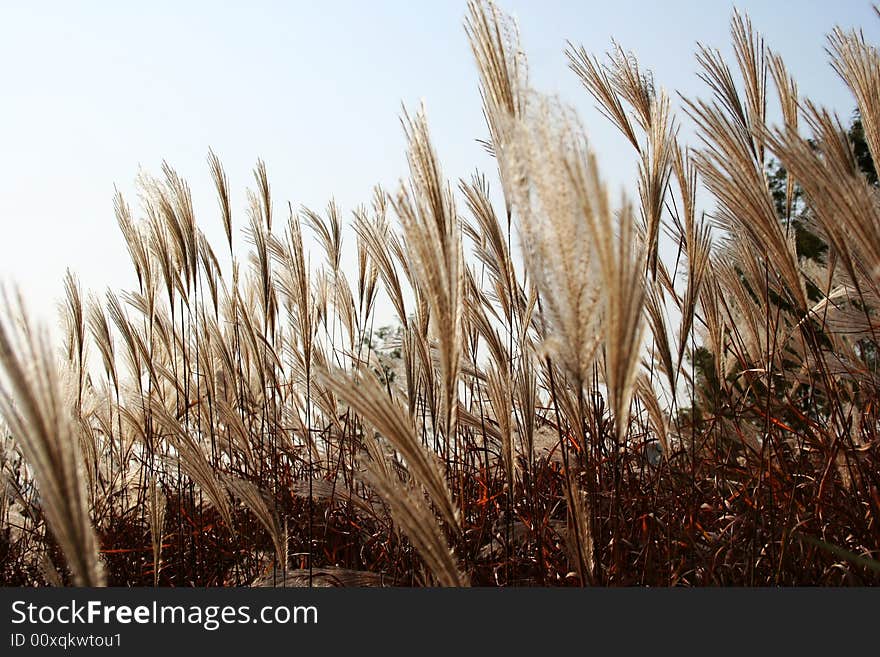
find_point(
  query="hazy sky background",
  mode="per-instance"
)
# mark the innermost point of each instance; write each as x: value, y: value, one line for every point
x: 91, y: 91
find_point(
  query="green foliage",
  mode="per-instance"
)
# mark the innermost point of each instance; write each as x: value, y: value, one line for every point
x: 385, y: 344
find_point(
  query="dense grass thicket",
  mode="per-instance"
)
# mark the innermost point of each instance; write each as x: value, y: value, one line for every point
x: 580, y: 390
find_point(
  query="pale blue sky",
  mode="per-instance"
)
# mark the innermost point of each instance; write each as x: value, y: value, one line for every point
x: 93, y: 90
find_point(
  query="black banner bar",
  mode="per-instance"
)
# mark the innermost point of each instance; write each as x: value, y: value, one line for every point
x: 412, y: 621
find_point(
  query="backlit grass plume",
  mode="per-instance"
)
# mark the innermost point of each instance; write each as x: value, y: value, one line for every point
x: 670, y: 383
